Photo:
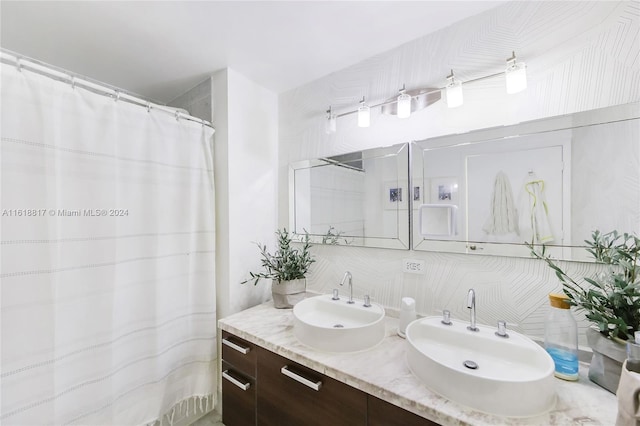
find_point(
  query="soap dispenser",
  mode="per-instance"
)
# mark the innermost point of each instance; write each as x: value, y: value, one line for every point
x: 407, y: 314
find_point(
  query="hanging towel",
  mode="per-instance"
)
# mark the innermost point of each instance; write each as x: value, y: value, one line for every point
x: 534, y: 213
x: 503, y: 216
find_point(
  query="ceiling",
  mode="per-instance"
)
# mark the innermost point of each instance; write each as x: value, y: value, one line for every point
x: 160, y: 49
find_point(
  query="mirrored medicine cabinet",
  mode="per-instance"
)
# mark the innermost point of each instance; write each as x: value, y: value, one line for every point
x: 356, y: 199
x: 550, y: 181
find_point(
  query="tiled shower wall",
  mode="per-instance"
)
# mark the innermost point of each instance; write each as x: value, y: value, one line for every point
x: 197, y: 100
x: 347, y: 202
x: 579, y: 55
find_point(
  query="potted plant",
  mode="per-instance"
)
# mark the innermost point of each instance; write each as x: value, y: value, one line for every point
x: 611, y: 301
x: 334, y: 237
x: 287, y: 268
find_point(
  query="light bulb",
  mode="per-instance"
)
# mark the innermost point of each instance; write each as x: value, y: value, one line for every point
x: 404, y: 104
x: 516, y: 77
x: 454, y: 94
x: 364, y: 115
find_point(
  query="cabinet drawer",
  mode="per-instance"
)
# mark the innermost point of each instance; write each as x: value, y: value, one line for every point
x: 291, y: 394
x: 238, y: 398
x: 239, y: 353
x: 382, y: 413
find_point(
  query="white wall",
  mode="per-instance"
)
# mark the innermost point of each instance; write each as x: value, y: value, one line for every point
x: 245, y: 116
x: 580, y: 56
x: 603, y: 179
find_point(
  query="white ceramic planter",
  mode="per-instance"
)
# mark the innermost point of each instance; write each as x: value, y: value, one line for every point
x: 287, y: 293
x: 606, y: 362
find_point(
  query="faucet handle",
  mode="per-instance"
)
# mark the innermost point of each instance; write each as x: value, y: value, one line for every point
x: 446, y: 317
x: 335, y: 294
x: 367, y: 301
x: 502, y: 329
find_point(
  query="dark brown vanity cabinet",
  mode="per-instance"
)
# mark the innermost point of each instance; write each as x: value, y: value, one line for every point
x: 261, y: 388
x: 290, y: 394
x: 382, y: 413
x: 239, y: 390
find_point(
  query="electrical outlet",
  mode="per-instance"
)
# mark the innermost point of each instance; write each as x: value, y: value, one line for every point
x: 413, y: 266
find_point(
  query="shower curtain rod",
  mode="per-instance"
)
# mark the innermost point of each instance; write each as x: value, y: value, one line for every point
x: 78, y: 80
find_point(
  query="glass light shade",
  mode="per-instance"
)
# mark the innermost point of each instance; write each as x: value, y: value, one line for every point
x: 454, y: 94
x: 330, y: 124
x: 364, y: 116
x: 516, y: 77
x: 404, y: 105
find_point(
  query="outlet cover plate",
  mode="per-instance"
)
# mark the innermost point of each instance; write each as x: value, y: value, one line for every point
x: 413, y: 266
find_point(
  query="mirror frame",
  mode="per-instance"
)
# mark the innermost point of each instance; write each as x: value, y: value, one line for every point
x: 402, y: 242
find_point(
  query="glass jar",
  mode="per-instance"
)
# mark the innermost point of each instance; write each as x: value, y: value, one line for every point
x: 561, y: 337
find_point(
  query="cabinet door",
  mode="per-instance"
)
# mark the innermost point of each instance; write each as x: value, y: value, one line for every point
x: 301, y: 396
x: 382, y: 413
x: 238, y: 397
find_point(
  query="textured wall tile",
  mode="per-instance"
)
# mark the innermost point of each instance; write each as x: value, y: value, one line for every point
x: 197, y: 100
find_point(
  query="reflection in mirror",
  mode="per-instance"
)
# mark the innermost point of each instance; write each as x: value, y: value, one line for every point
x: 550, y: 181
x: 438, y: 220
x: 357, y: 199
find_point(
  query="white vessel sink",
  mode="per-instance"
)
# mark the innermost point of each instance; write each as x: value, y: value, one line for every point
x: 514, y: 376
x: 336, y: 326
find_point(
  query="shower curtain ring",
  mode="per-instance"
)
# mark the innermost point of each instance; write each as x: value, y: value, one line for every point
x: 148, y: 106
x: 18, y: 64
x: 116, y: 96
x: 73, y: 82
x: 177, y: 115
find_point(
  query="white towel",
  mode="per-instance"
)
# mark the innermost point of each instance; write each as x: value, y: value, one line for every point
x: 503, y: 216
x: 628, y: 398
x: 534, y: 214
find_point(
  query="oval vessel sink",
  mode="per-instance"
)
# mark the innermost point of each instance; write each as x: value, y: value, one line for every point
x: 336, y: 326
x: 504, y: 376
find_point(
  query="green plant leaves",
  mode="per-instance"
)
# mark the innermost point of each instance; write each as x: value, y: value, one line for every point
x: 612, y: 301
x: 286, y: 263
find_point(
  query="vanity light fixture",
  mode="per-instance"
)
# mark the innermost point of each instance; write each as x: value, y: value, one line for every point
x: 516, y: 75
x: 364, y: 114
x: 453, y: 91
x: 413, y: 100
x: 404, y: 103
x: 330, y: 124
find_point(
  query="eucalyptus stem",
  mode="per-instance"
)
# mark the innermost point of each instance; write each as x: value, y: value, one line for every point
x: 612, y: 300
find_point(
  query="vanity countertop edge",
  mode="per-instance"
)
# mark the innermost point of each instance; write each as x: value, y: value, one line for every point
x: 382, y: 371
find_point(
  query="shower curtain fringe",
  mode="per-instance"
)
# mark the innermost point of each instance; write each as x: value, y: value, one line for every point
x: 200, y: 406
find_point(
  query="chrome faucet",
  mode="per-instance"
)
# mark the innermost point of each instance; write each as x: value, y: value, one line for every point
x: 348, y: 275
x: 471, y: 304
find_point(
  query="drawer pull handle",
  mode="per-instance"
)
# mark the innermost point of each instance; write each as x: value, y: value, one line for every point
x: 243, y: 386
x: 313, y: 385
x: 236, y: 347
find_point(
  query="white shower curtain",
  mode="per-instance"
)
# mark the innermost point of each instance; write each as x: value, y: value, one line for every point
x: 107, y: 247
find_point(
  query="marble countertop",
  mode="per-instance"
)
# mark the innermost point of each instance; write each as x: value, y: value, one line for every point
x: 383, y: 372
